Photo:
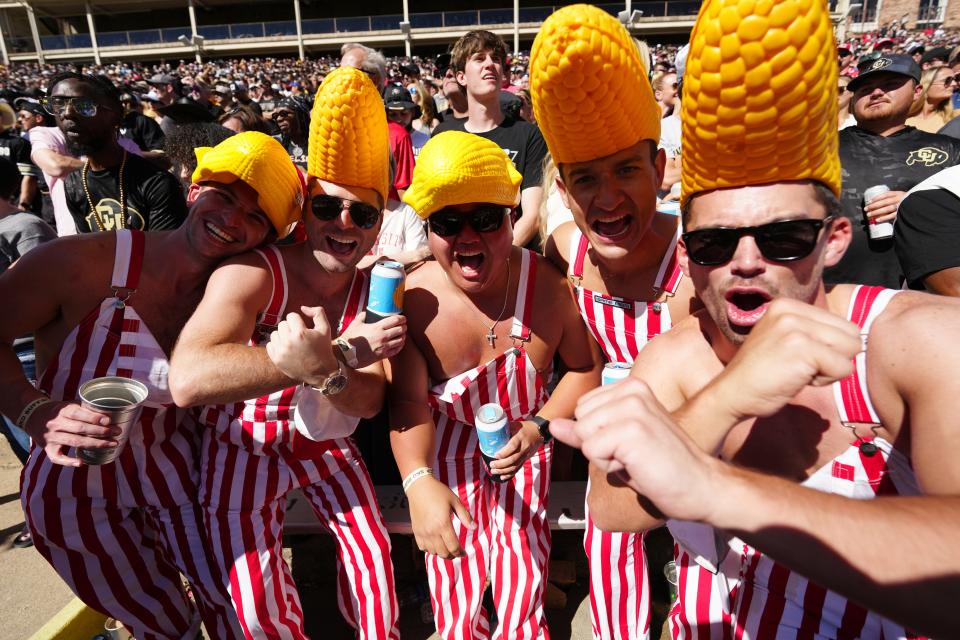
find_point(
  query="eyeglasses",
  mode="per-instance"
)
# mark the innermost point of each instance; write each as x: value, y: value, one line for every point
x: 328, y: 208
x: 484, y: 218
x: 85, y: 107
x: 841, y: 88
x: 949, y: 80
x: 782, y: 241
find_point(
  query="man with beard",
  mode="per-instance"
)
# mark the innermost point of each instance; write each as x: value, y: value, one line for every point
x: 619, y: 253
x: 112, y: 304
x: 113, y: 189
x: 486, y: 320
x: 293, y: 120
x: 845, y: 391
x: 883, y: 150
x: 276, y: 385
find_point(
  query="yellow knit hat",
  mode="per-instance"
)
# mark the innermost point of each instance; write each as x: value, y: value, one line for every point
x: 760, y: 96
x: 349, y: 143
x: 461, y: 168
x: 260, y: 161
x: 590, y: 91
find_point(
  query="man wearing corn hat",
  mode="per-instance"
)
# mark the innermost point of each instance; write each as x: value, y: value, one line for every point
x: 280, y: 355
x: 845, y: 391
x: 601, y: 122
x: 486, y: 320
x: 112, y: 304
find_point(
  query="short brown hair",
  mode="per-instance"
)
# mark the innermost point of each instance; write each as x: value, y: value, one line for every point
x: 476, y: 42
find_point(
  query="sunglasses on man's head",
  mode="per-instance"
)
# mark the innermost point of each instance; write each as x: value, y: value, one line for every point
x: 482, y: 219
x: 328, y: 208
x: 782, y: 241
x: 85, y: 107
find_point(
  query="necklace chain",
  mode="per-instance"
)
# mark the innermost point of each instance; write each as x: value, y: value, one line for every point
x: 491, y: 336
x: 123, y: 195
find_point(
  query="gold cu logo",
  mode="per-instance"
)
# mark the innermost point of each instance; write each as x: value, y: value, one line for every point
x: 881, y: 63
x: 111, y: 214
x: 927, y: 156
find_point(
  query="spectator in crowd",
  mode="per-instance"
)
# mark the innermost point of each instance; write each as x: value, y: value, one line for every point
x: 222, y: 96
x: 933, y: 109
x: 202, y: 93
x: 31, y: 114
x: 934, y: 58
x: 882, y: 150
x: 401, y: 112
x: 246, y: 119
x: 51, y: 156
x: 124, y: 535
x: 427, y: 120
x: 144, y: 131
x: 114, y: 189
x: 846, y: 60
x: 844, y: 96
x: 241, y: 94
x: 271, y: 375
x: 927, y: 234
x: 17, y: 149
x: 18, y: 233
x: 293, y: 120
x: 478, y: 59
x: 454, y: 96
x: 168, y: 87
x: 370, y: 61
x: 665, y: 91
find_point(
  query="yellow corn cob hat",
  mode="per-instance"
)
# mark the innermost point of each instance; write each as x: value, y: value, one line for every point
x: 760, y: 96
x: 260, y: 161
x: 349, y: 143
x: 590, y: 91
x: 461, y: 168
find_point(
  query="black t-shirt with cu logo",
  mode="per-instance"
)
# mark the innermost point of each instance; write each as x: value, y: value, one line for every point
x: 154, y: 198
x: 900, y: 161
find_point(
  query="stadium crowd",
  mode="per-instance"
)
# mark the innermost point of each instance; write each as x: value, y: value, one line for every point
x: 213, y: 231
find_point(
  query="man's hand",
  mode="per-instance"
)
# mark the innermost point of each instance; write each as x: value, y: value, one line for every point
x: 525, y: 442
x: 431, y: 505
x: 623, y: 430
x: 794, y: 345
x: 300, y: 352
x: 884, y: 207
x: 57, y: 426
x: 377, y: 341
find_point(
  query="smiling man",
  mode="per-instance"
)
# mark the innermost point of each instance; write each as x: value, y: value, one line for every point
x: 619, y: 253
x: 113, y: 304
x: 486, y: 320
x: 113, y: 189
x: 251, y: 357
x: 845, y: 390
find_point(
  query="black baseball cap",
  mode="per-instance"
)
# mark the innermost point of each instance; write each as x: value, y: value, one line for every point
x: 896, y: 63
x: 31, y: 105
x: 396, y: 97
x: 937, y: 53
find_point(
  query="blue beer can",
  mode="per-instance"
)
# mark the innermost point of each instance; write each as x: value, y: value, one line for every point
x: 614, y: 372
x: 385, y: 297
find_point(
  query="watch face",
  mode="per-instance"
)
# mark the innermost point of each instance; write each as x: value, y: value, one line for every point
x: 334, y: 385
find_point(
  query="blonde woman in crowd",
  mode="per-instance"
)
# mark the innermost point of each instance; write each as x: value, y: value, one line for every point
x: 932, y: 109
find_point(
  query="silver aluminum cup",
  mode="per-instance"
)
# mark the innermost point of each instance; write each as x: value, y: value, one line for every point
x: 119, y: 398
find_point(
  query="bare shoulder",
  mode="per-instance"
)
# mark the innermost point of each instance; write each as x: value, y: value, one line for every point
x: 681, y: 358
x: 247, y: 275
x: 915, y: 320
x: 424, y: 275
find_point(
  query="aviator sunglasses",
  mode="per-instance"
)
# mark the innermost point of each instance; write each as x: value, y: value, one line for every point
x: 482, y: 219
x: 327, y: 208
x: 56, y: 105
x: 782, y: 241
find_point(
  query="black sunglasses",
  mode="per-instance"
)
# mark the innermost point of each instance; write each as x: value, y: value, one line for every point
x: 483, y: 219
x: 328, y: 208
x: 778, y: 241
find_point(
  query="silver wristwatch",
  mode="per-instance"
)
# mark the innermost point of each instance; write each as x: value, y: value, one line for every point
x: 334, y: 383
x: 348, y: 351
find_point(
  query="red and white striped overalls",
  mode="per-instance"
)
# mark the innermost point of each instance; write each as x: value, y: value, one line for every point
x: 120, y: 534
x: 511, y: 542
x: 619, y: 597
x: 767, y: 600
x: 252, y: 457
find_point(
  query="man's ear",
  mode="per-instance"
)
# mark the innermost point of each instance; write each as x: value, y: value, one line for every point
x: 193, y: 192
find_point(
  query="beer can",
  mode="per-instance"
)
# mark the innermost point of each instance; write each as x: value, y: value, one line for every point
x: 385, y: 297
x: 614, y: 372
x: 669, y: 207
x: 493, y: 432
x: 877, y: 230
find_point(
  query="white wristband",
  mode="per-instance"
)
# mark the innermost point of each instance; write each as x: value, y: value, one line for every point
x: 415, y: 475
